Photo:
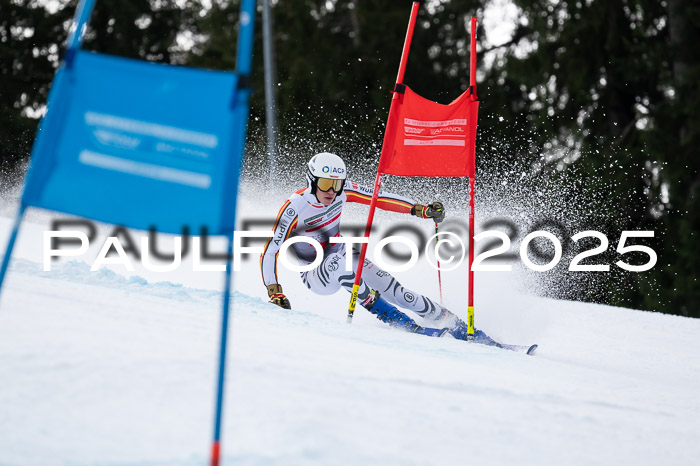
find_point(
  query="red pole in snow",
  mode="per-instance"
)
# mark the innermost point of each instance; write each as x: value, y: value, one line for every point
x: 472, y: 56
x: 385, y: 148
x: 472, y: 85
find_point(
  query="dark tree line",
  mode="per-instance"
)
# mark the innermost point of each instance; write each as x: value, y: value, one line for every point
x: 603, y: 90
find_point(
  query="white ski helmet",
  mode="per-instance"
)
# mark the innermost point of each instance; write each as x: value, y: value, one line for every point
x: 326, y: 166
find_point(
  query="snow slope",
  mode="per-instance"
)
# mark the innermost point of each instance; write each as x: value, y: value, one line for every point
x: 112, y: 367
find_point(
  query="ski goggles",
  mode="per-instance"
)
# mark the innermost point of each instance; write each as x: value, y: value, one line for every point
x: 326, y: 184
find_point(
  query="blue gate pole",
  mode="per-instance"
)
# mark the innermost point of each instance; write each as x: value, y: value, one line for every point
x: 82, y: 15
x: 244, y: 52
x: 216, y: 446
x: 77, y: 29
x: 244, y: 59
x: 11, y: 244
x: 75, y: 39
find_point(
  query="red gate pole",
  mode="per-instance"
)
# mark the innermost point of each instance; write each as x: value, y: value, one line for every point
x: 470, y: 308
x: 472, y: 86
x: 407, y: 44
x: 385, y: 145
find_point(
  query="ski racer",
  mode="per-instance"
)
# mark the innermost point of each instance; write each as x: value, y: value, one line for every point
x: 315, y: 212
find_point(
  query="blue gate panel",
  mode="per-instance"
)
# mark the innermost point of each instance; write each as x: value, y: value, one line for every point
x: 140, y: 144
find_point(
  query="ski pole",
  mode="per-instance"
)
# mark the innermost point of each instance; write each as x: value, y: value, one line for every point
x: 437, y: 259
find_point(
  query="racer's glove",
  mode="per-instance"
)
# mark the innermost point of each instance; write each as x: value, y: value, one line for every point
x: 434, y: 210
x: 277, y: 297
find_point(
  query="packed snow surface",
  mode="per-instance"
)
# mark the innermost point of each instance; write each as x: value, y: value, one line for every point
x: 117, y: 367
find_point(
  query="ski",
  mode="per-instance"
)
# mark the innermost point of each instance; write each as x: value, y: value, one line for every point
x: 530, y: 350
x: 480, y: 338
x: 483, y: 339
